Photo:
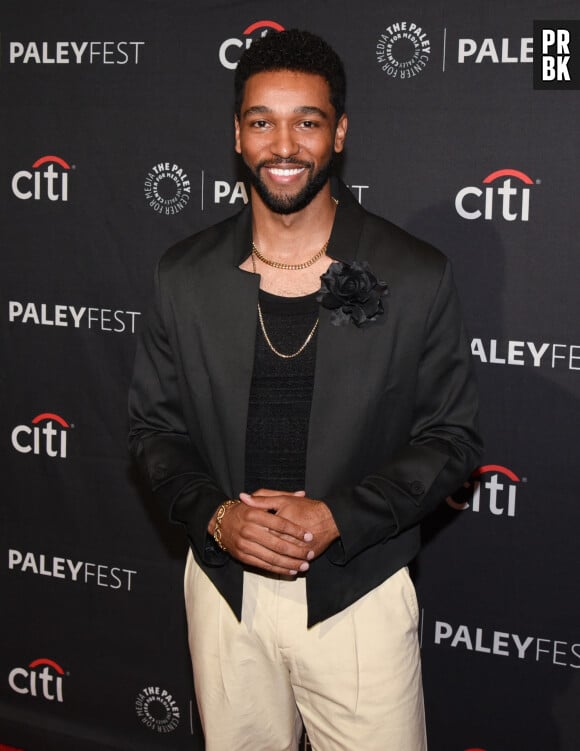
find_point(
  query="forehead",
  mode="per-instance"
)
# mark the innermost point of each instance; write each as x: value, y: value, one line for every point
x: 286, y: 89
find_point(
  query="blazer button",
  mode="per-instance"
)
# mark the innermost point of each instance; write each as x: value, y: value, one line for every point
x: 417, y: 487
x: 159, y: 472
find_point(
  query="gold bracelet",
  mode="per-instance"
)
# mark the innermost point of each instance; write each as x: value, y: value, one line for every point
x: 221, y: 512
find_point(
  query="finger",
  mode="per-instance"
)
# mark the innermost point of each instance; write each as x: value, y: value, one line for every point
x: 265, y: 560
x: 277, y: 522
x: 260, y: 519
x: 271, y: 547
x: 268, y: 502
x: 266, y: 542
x: 263, y: 501
x: 283, y: 526
x: 267, y: 491
x: 306, y: 544
x: 249, y: 500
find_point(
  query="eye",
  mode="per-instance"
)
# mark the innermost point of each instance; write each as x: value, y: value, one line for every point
x: 259, y: 124
x: 308, y: 124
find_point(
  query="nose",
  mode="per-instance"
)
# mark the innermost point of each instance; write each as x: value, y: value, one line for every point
x: 285, y: 143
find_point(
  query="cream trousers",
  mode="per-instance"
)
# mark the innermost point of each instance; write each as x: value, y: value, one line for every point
x: 354, y: 679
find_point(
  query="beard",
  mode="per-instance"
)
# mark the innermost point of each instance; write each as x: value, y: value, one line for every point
x: 289, y: 204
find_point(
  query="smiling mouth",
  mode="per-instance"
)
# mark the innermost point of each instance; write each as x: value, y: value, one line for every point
x: 285, y: 171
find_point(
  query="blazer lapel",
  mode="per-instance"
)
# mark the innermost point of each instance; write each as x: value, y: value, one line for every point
x: 342, y: 352
x: 230, y: 299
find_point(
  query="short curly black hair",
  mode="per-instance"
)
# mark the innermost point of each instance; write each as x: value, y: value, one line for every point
x: 292, y: 50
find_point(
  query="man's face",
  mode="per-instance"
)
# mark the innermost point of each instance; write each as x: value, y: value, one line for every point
x: 287, y: 135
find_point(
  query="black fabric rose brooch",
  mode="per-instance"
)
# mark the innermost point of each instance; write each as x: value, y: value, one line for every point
x: 352, y: 292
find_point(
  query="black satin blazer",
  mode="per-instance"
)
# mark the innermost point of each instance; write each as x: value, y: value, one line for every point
x: 393, y: 418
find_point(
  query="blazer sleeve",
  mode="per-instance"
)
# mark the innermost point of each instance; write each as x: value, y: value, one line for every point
x: 443, y: 446
x: 159, y: 440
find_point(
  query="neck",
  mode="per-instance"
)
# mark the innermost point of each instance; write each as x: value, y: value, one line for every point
x: 293, y: 237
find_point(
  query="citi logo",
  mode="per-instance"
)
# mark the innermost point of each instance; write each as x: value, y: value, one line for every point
x: 505, y: 191
x: 46, y: 181
x: 231, y: 49
x: 47, y: 436
x: 492, y: 488
x: 42, y: 678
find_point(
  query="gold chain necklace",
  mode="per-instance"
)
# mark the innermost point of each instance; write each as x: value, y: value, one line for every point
x: 289, y: 266
x: 292, y: 266
x: 267, y: 338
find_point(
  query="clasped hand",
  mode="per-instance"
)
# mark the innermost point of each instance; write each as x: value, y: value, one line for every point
x: 278, y: 531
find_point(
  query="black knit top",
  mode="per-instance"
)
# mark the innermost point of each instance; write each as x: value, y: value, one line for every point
x: 280, y: 395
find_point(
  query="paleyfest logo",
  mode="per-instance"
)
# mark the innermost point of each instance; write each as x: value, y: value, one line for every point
x: 74, y: 53
x: 48, y: 179
x: 231, y: 49
x: 403, y: 50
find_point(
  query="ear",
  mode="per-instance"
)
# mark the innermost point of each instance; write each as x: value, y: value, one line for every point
x: 237, y: 146
x: 340, y: 133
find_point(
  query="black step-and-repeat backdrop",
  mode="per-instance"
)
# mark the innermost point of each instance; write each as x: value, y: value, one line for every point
x: 117, y: 142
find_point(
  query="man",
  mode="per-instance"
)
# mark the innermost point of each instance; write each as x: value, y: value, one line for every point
x: 301, y: 433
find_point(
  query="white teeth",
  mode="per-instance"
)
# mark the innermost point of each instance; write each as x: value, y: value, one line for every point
x: 286, y: 172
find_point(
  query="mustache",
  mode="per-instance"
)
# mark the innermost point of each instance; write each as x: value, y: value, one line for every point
x: 291, y: 161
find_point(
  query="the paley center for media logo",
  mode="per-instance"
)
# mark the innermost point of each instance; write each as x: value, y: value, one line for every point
x: 403, y: 49
x: 157, y: 709
x: 167, y: 188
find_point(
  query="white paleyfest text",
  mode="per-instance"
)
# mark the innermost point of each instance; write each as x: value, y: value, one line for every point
x: 505, y: 644
x: 75, y: 53
x: 93, y: 319
x: 531, y: 354
x: 504, y: 50
x: 82, y: 572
